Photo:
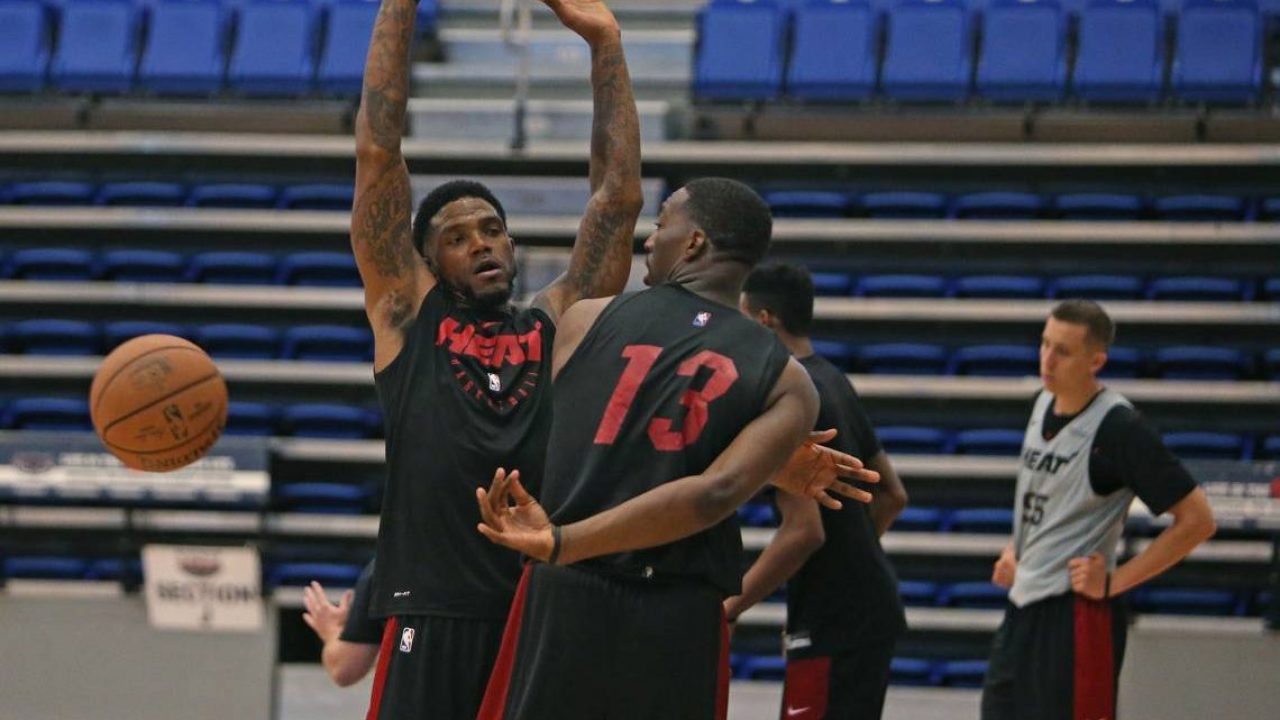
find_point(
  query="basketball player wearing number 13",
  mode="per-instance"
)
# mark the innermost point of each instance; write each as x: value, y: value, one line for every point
x: 1085, y: 456
x: 671, y: 410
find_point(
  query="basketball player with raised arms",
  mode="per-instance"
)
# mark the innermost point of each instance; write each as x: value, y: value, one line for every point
x: 462, y: 376
x: 671, y: 410
x: 1087, y: 453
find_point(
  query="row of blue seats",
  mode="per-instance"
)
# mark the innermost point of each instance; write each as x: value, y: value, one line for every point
x: 1010, y: 205
x: 329, y: 343
x: 188, y: 47
x: 1013, y: 51
x: 67, y: 567
x: 1032, y: 287
x: 316, y: 269
x: 1199, y: 445
x: 1183, y: 362
x: 308, y: 196
x: 915, y: 518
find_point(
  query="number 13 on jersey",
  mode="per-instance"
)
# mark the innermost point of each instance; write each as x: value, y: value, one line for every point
x: 662, y: 432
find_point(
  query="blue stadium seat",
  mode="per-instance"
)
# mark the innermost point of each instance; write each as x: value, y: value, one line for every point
x: 1201, y: 208
x: 999, y: 206
x: 757, y: 514
x: 318, y: 196
x: 322, y: 420
x: 51, y: 264
x: 232, y: 268
x: 318, y: 497
x: 251, y: 418
x: 1198, y: 289
x: 52, y: 192
x: 1270, y: 448
x: 45, y: 567
x: 298, y: 574
x: 319, y: 269
x: 989, y: 442
x: 911, y: 672
x: 1218, y: 56
x: 980, y: 520
x: 1122, y: 362
x: 913, y: 286
x: 832, y: 284
x: 328, y: 343
x: 149, y: 194
x: 807, y: 204
x: 97, y: 46
x: 55, y: 337
x: 1271, y: 289
x: 905, y: 205
x: 24, y: 46
x: 1269, y: 209
x: 1097, y: 287
x: 1208, y: 445
x: 233, y: 195
x: 919, y: 518
x: 117, y: 333
x: 928, y: 51
x: 996, y: 361
x: 1186, y: 601
x: 275, y: 48
x: 1194, y: 362
x: 1023, y: 55
x: 962, y: 673
x: 903, y: 359
x: 43, y: 413
x: 115, y: 569
x: 1271, y: 364
x: 739, y: 54
x: 917, y: 592
x: 834, y: 47
x: 908, y: 440
x: 1000, y: 286
x: 764, y: 667
x: 235, y: 341
x: 186, y: 47
x: 1099, y: 206
x: 841, y: 354
x: 1121, y: 51
x: 346, y: 43
x: 973, y: 595
x: 158, y: 266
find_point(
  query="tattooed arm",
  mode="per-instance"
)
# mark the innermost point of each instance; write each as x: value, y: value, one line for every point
x: 394, y: 275
x: 601, y: 259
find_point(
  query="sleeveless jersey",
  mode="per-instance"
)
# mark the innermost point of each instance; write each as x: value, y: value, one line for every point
x: 467, y: 394
x: 1057, y: 514
x: 659, y: 387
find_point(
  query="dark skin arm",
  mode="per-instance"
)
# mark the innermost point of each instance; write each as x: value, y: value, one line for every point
x: 395, y: 277
x: 799, y: 535
x: 601, y: 258
x: 890, y: 497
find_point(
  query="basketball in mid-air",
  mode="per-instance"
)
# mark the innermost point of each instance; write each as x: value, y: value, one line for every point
x: 158, y: 403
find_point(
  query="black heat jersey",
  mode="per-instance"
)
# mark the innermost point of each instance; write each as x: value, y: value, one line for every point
x: 466, y: 395
x: 659, y: 387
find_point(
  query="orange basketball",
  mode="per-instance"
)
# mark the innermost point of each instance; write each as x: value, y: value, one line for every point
x: 158, y: 403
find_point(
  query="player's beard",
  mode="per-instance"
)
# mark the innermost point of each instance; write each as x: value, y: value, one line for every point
x: 496, y: 299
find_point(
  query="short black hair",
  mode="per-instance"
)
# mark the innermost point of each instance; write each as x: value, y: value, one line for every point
x: 786, y: 291
x: 734, y: 217
x: 443, y: 195
x: 1100, y: 330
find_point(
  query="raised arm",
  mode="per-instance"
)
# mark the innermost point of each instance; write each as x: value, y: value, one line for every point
x: 601, y: 260
x: 394, y: 275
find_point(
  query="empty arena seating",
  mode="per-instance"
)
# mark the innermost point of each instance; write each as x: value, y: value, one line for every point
x: 25, y: 31
x: 1024, y: 51
x: 740, y: 53
x: 835, y: 44
x: 928, y: 54
x: 185, y: 49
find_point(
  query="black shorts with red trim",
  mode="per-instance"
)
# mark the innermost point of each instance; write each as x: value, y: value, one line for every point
x: 433, y: 667
x: 580, y: 644
x: 1057, y: 659
x: 850, y: 685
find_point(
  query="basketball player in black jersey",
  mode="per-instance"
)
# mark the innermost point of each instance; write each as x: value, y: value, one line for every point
x: 671, y: 410
x: 462, y: 377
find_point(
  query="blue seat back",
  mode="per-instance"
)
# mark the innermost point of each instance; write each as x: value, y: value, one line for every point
x: 904, y: 359
x: 55, y: 337
x: 1121, y: 51
x: 995, y: 442
x: 232, y: 268
x: 346, y: 43
x: 40, y: 413
x: 928, y: 51
x: 151, y: 194
x: 834, y: 46
x: 24, y: 46
x: 1023, y: 54
x: 319, y: 269
x: 328, y: 343
x: 248, y: 342
x: 143, y: 266
x: 275, y: 48
x: 1218, y: 56
x: 996, y: 361
x: 739, y: 50
x: 97, y: 46
x: 1097, y: 287
x: 51, y: 264
x: 1207, y: 445
x: 186, y: 47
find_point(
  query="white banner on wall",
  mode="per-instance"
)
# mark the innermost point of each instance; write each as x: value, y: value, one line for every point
x: 211, y: 589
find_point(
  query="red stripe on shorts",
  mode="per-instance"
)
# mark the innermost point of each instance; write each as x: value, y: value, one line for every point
x: 806, y: 689
x: 495, y: 694
x: 389, y: 633
x: 1095, y: 678
x: 722, y: 674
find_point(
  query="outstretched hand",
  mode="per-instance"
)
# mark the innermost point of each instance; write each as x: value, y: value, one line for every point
x: 323, y: 616
x: 589, y: 18
x: 816, y: 471
x: 524, y: 526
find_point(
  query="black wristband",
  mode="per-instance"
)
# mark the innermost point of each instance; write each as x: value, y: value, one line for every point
x: 1106, y: 587
x: 555, y: 545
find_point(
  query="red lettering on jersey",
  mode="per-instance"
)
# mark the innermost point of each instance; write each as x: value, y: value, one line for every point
x: 492, y: 351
